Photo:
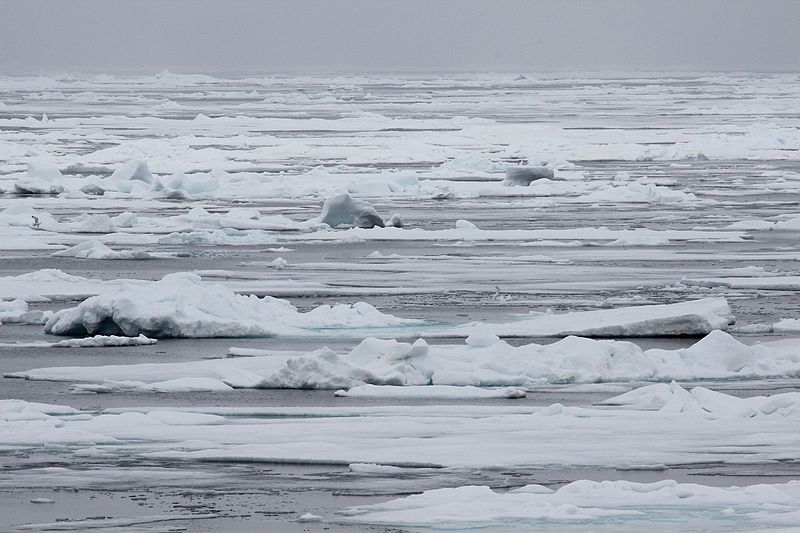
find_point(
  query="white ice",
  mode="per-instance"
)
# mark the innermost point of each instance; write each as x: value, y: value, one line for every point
x: 181, y: 305
x: 661, y: 506
x: 685, y: 318
x: 484, y: 361
x: 454, y: 436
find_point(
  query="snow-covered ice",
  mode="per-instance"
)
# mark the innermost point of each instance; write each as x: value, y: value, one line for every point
x: 589, y: 504
x: 450, y: 436
x: 429, y: 391
x: 97, y: 250
x: 481, y: 362
x: 182, y: 305
x: 685, y: 318
x: 344, y: 210
x: 658, y: 206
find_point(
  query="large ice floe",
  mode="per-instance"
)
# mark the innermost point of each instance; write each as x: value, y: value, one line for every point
x: 444, y: 436
x: 482, y: 362
x: 696, y: 317
x: 181, y: 305
x: 468, y: 232
x: 590, y: 505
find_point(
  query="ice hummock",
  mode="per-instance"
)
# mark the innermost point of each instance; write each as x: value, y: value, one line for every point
x: 476, y: 364
x: 696, y: 317
x: 181, y: 305
x: 583, y: 504
x: 345, y: 211
x: 42, y: 177
x: 94, y: 249
x: 16, y: 311
x: 524, y: 175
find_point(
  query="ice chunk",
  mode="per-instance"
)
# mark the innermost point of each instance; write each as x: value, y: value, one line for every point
x: 181, y: 305
x: 87, y: 223
x: 673, y: 398
x: 99, y: 341
x: 16, y: 311
x: 429, y: 391
x: 132, y: 170
x: 42, y: 177
x: 94, y: 249
x: 695, y: 317
x: 524, y: 175
x: 344, y: 210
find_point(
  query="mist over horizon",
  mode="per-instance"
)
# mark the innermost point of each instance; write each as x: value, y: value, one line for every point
x: 358, y: 36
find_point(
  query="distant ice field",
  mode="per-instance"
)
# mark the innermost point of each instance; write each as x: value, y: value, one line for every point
x: 665, y: 190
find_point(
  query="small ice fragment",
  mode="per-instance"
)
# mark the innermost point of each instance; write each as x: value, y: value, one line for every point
x: 525, y: 175
x: 308, y: 517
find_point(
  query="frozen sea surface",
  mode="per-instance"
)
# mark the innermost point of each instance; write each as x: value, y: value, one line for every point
x: 695, y: 179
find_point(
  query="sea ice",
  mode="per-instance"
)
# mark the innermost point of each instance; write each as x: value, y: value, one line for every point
x: 16, y: 311
x: 99, y: 341
x: 94, y: 249
x: 695, y: 317
x: 388, y: 362
x: 429, y: 391
x: 345, y: 211
x: 451, y: 436
x: 524, y: 175
x: 181, y: 305
x: 588, y: 503
x: 42, y: 177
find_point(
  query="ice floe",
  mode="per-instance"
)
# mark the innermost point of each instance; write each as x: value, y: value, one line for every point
x: 524, y: 175
x: 429, y: 391
x: 95, y: 249
x: 482, y: 362
x: 695, y: 317
x: 587, y: 504
x: 181, y: 305
x: 345, y: 211
x: 473, y: 233
x: 450, y: 436
x: 42, y: 177
x: 100, y: 341
x: 16, y: 311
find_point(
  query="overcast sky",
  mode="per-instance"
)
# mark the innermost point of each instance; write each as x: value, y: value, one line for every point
x: 365, y: 35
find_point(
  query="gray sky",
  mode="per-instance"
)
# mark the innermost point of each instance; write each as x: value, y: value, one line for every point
x: 365, y: 35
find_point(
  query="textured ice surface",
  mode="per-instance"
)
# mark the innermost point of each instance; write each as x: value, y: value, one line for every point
x: 526, y: 174
x: 686, y: 318
x: 589, y: 504
x: 482, y: 362
x: 181, y: 305
x: 344, y: 210
x: 97, y: 250
x: 660, y: 179
x: 455, y: 436
x: 16, y: 311
x: 429, y: 391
